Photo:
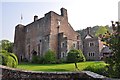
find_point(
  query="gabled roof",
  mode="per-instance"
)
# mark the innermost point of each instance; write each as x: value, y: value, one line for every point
x: 88, y: 36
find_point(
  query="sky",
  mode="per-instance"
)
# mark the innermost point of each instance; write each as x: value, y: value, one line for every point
x: 81, y: 13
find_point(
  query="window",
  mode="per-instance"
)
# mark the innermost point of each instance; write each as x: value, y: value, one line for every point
x: 74, y: 45
x: 62, y: 55
x: 91, y: 54
x: 40, y: 41
x: 62, y: 44
x: 47, y: 38
x: 58, y: 23
x: 91, y: 44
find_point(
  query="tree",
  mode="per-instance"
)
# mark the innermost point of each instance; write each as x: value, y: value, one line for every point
x: 6, y: 45
x: 75, y: 56
x: 113, y: 60
x: 50, y: 57
x: 101, y: 30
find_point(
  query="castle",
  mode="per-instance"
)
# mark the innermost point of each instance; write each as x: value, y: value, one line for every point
x: 52, y: 31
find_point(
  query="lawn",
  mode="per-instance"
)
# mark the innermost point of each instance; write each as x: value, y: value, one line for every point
x: 61, y: 67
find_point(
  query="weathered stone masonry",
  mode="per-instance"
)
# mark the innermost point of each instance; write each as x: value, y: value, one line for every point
x: 52, y: 31
x: 16, y: 74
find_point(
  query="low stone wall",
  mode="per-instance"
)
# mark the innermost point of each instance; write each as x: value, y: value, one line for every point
x: 16, y: 74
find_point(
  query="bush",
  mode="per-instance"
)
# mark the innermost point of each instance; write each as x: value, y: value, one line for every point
x: 60, y: 61
x: 75, y: 56
x: 8, y: 59
x: 41, y: 60
x: 50, y: 57
x: 15, y: 58
x: 11, y: 62
x: 35, y: 59
x: 4, y: 57
x: 100, y: 69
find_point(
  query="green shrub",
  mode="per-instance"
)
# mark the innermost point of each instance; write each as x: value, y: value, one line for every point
x: 41, y: 60
x: 60, y: 61
x: 3, y: 59
x: 50, y: 57
x: 15, y: 58
x: 11, y: 62
x: 8, y: 59
x: 35, y: 59
x: 100, y: 69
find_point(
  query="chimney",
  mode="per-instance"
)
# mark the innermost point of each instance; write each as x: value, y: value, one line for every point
x: 35, y: 18
x: 88, y: 30
x: 63, y: 12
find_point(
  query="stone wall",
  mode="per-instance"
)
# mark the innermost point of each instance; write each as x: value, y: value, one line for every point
x: 16, y: 74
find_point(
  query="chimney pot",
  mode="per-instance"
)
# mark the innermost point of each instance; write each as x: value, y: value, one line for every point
x: 35, y: 18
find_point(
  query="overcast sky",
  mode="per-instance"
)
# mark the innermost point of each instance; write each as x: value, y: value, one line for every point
x: 81, y: 13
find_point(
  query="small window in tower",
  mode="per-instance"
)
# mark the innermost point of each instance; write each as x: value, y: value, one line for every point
x: 74, y: 45
x: 62, y: 44
x: 63, y: 54
x: 58, y: 23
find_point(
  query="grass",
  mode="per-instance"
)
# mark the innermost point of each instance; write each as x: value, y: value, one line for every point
x: 60, y: 67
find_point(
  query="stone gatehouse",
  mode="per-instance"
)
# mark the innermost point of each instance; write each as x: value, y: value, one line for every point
x: 52, y: 31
